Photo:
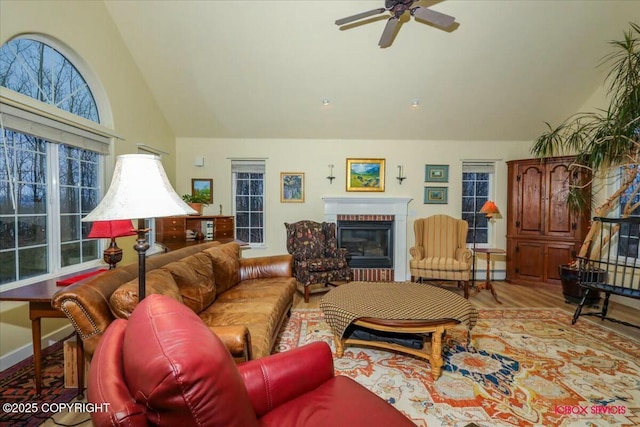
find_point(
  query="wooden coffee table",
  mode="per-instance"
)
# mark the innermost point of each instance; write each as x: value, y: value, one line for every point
x: 397, y: 307
x: 431, y: 348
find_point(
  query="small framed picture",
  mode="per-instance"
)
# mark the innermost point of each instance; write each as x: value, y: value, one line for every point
x: 202, y: 187
x: 365, y: 174
x: 292, y: 187
x: 436, y: 173
x: 435, y: 195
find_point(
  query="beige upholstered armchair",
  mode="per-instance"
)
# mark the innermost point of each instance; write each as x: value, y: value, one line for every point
x: 440, y: 252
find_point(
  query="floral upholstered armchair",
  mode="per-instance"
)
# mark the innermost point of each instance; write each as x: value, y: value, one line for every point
x: 316, y: 256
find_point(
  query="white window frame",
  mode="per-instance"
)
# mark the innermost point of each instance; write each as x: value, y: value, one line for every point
x: 619, y: 212
x: 21, y: 113
x: 481, y: 166
x: 250, y: 166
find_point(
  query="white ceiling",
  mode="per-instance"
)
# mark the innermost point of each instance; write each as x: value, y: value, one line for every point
x: 261, y: 68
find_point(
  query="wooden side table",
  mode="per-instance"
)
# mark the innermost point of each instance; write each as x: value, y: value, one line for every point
x: 39, y: 296
x: 487, y: 284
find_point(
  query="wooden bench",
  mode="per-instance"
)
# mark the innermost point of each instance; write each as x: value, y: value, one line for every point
x: 611, y: 264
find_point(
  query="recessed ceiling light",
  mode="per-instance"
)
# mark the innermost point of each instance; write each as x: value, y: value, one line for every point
x: 325, y: 102
x: 415, y: 103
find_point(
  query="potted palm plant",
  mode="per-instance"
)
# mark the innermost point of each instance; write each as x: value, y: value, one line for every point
x: 605, y: 142
x: 197, y: 201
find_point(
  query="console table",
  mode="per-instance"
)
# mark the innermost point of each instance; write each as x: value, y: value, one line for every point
x: 39, y: 295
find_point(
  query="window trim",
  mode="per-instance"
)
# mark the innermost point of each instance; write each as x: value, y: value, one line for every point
x: 250, y: 165
x: 23, y: 114
x: 23, y: 107
x: 488, y: 167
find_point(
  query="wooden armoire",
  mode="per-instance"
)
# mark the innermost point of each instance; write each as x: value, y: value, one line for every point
x: 542, y: 232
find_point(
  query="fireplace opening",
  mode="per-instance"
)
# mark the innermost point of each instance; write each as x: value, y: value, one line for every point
x: 370, y: 243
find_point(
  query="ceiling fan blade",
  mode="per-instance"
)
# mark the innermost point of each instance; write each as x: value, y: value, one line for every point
x: 433, y: 17
x: 359, y: 16
x: 389, y: 30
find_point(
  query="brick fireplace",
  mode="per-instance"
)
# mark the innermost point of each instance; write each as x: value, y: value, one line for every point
x: 384, y: 209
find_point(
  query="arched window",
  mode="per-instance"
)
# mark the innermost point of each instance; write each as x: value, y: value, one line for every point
x: 51, y: 163
x: 39, y: 71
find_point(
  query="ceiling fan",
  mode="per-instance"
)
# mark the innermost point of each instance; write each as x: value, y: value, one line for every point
x: 397, y: 8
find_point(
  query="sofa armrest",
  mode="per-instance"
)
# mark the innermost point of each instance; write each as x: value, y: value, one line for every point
x: 281, y: 377
x: 237, y: 340
x: 267, y: 266
x: 417, y: 252
x: 86, y: 304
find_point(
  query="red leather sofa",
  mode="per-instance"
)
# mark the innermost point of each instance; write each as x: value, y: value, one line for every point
x: 165, y: 367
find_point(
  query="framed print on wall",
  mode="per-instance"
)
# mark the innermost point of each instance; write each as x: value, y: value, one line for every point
x: 436, y: 173
x: 365, y: 174
x: 435, y: 195
x: 292, y: 187
x: 202, y: 187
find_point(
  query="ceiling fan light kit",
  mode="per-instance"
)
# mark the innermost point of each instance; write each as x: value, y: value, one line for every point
x: 397, y: 8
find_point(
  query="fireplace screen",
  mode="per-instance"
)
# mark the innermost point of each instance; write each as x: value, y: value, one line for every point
x: 370, y: 243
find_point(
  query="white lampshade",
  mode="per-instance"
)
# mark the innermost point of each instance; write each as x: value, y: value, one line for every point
x: 139, y: 189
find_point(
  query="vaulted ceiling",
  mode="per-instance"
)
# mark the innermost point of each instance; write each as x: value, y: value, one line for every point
x: 261, y: 68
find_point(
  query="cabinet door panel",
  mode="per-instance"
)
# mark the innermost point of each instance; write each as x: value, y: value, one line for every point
x: 531, y: 200
x: 529, y: 260
x: 557, y: 254
x: 559, y: 220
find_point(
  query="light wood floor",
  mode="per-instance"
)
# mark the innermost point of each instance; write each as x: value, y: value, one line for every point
x: 512, y: 296
x: 519, y: 296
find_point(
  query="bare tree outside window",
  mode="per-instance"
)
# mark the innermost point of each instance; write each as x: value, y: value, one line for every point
x: 40, y: 217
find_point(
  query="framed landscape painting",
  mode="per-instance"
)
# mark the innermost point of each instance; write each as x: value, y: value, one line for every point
x: 202, y: 187
x: 292, y: 187
x: 436, y: 173
x: 435, y: 195
x: 365, y: 174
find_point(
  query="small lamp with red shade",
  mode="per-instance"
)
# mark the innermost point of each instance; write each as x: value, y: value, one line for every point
x: 490, y: 210
x: 110, y: 230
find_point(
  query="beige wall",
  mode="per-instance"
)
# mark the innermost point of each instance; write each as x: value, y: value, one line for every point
x: 86, y: 28
x: 313, y: 157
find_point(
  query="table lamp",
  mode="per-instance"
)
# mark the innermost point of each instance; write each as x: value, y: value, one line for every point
x: 139, y: 189
x: 489, y: 209
x: 110, y: 230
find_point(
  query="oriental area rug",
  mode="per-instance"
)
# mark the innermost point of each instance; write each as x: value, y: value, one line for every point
x: 523, y: 368
x: 17, y: 384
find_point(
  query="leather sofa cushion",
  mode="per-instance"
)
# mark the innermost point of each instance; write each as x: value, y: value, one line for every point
x: 258, y: 304
x: 226, y: 265
x: 195, y: 280
x: 124, y: 299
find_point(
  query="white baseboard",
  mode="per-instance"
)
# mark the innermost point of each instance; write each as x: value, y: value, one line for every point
x: 20, y: 354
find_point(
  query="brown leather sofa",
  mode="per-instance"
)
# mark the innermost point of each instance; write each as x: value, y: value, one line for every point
x: 244, y: 301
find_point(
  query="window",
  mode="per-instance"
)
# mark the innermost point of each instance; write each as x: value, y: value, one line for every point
x: 248, y: 205
x: 50, y: 168
x: 629, y: 242
x: 477, y: 186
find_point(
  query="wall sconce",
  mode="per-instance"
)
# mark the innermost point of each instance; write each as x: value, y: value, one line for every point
x: 331, y: 177
x: 400, y: 176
